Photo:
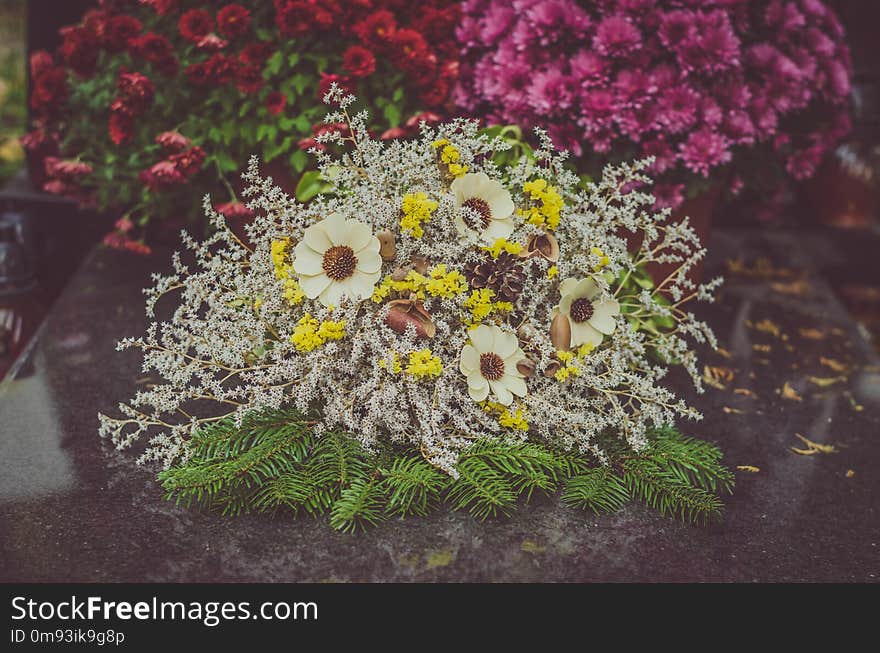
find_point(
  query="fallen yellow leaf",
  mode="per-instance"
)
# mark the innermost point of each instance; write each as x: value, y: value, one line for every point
x: 834, y: 364
x: 824, y: 382
x: 717, y: 377
x: 748, y: 468
x: 746, y: 392
x: 812, y: 447
x: 790, y: 393
x: 850, y: 473
x: 811, y: 334
x: 732, y: 411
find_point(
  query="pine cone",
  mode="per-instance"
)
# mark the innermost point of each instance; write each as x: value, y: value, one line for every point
x: 504, y: 275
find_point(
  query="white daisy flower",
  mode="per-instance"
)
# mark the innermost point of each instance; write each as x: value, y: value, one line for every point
x: 486, y: 198
x: 591, y: 317
x: 337, y: 258
x: 489, y: 362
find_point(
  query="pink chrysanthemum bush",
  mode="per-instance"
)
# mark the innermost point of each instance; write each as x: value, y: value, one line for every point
x: 709, y: 88
x: 430, y: 299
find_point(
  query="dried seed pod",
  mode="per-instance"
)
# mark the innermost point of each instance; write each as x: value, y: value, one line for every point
x: 560, y: 332
x: 403, y: 312
x: 420, y: 264
x: 543, y: 245
x: 552, y: 368
x: 387, y: 245
x: 399, y: 274
x: 526, y: 367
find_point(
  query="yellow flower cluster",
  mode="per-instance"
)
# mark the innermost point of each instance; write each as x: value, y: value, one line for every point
x: 416, y: 209
x: 396, y: 367
x: 439, y: 283
x: 481, y: 306
x: 503, y: 245
x: 512, y: 420
x: 423, y: 363
x: 552, y: 271
x: 603, y: 259
x: 569, y: 361
x: 310, y: 334
x: 449, y: 156
x: 284, y: 272
x: 546, y: 207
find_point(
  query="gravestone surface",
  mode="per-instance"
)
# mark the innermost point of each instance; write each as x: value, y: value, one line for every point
x: 74, y: 509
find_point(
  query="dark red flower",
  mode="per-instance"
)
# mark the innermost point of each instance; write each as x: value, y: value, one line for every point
x: 39, y: 141
x: 156, y: 49
x: 256, y: 53
x: 50, y: 89
x: 195, y: 24
x: 394, y: 132
x: 249, y: 79
x: 428, y: 117
x: 217, y: 70
x: 120, y: 31
x: 327, y: 80
x: 189, y: 162
x: 173, y: 141
x: 436, y: 93
x: 60, y: 187
x: 69, y: 170
x: 121, y: 127
x: 299, y: 17
x: 377, y: 29
x: 306, y: 144
x: 79, y: 50
x: 234, y: 210
x: 40, y: 62
x: 161, y: 175
x: 118, y: 240
x: 275, y: 102
x: 359, y: 61
x: 212, y: 43
x: 233, y: 20
x: 408, y: 48
x: 161, y: 7
x: 135, y: 92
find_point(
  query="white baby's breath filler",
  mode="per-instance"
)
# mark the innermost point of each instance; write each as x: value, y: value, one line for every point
x: 384, y: 308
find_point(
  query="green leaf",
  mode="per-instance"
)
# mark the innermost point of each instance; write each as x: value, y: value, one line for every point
x: 274, y: 63
x: 299, y: 160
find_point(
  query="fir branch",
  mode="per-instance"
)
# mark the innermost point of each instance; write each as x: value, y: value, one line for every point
x: 360, y: 504
x: 272, y: 461
x: 413, y: 486
x: 664, y: 490
x: 599, y: 490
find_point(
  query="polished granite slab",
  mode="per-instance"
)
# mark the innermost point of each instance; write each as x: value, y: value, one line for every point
x: 73, y: 509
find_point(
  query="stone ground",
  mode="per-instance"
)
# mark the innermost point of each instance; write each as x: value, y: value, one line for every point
x: 795, y: 362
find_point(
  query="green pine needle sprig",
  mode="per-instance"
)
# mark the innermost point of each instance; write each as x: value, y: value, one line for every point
x: 273, y: 462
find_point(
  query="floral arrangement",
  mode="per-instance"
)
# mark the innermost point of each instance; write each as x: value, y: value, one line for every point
x: 491, y: 322
x: 717, y: 89
x: 119, y: 108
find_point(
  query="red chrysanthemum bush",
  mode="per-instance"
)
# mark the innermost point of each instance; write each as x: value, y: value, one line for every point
x: 147, y: 105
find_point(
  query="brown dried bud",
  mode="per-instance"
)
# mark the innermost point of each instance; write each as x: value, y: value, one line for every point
x: 387, y: 245
x: 403, y: 312
x: 560, y: 332
x: 420, y: 264
x: 552, y: 368
x: 544, y: 245
x: 526, y: 367
x: 399, y: 274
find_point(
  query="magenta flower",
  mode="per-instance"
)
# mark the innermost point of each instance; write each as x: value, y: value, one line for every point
x: 703, y: 150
